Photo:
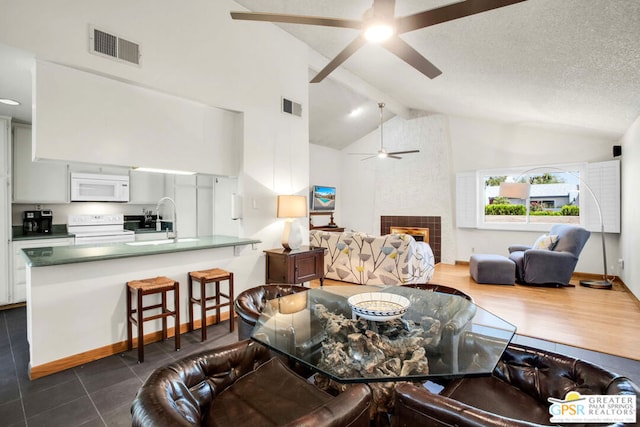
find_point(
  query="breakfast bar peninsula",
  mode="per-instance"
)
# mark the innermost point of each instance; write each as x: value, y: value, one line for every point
x: 76, y: 295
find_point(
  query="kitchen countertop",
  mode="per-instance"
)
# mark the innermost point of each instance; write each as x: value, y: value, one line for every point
x: 58, y: 255
x: 58, y: 231
x: 54, y: 235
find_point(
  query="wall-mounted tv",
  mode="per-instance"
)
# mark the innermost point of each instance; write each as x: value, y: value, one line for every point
x: 323, y: 198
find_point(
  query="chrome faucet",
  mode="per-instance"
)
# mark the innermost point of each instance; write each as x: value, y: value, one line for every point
x: 175, y: 216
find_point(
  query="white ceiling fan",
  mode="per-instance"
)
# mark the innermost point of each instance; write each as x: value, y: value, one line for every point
x: 382, y: 152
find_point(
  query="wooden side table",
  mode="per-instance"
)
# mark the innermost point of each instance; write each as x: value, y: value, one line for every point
x: 324, y: 228
x: 294, y: 266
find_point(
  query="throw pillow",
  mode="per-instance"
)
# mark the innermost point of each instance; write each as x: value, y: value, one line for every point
x: 546, y: 242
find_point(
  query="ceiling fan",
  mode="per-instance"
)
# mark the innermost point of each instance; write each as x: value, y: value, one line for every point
x: 382, y: 152
x: 379, y: 24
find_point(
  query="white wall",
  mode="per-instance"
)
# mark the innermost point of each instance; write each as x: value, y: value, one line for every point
x: 194, y: 50
x: 482, y: 144
x: 417, y: 185
x: 325, y: 169
x: 424, y: 184
x: 630, y: 240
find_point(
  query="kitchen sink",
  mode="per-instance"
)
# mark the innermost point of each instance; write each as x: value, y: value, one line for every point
x: 159, y: 242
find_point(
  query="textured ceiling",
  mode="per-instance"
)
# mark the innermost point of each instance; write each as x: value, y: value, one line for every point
x: 569, y: 63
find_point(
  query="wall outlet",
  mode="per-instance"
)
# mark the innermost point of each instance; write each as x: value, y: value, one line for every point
x: 621, y: 264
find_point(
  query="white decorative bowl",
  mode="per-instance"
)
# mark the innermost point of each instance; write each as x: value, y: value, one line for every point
x: 379, y: 306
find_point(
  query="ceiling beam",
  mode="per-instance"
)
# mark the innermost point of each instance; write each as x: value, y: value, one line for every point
x: 347, y: 78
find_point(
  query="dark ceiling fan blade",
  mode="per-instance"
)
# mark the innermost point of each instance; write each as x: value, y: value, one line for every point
x: 448, y: 13
x: 402, y: 50
x: 384, y: 7
x: 389, y: 156
x: 338, y: 60
x: 403, y: 152
x: 297, y: 19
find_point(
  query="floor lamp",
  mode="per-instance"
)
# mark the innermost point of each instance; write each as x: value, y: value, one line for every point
x: 291, y: 207
x: 517, y: 190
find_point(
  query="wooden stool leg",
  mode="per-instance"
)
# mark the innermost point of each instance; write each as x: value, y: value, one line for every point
x: 217, y: 282
x: 165, y: 309
x: 203, y: 308
x: 176, y: 308
x: 190, y: 301
x: 140, y: 328
x: 231, y: 312
x: 129, y: 326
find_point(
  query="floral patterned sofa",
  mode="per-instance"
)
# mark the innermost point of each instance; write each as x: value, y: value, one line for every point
x: 394, y: 259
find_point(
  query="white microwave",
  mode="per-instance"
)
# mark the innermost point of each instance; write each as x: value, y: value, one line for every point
x: 91, y: 187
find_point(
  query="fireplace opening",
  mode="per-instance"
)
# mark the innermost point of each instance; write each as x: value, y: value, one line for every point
x: 432, y: 224
x: 420, y: 234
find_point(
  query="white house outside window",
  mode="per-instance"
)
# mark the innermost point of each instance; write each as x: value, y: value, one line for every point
x: 554, y: 197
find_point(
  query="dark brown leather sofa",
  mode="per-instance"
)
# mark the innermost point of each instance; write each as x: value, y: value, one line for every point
x: 515, y: 395
x: 250, y: 304
x: 241, y: 385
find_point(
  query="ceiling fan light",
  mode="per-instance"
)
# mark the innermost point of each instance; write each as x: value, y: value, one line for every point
x: 378, y: 33
x: 382, y: 155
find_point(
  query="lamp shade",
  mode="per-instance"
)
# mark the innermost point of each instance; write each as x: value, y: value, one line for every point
x: 292, y: 206
x: 514, y: 190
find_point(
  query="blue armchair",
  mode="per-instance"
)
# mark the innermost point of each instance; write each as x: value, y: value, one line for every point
x: 553, y: 265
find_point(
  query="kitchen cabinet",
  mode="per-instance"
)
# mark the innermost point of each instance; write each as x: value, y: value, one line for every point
x: 18, y: 292
x: 98, y: 168
x: 40, y: 181
x: 204, y: 201
x: 5, y: 208
x: 146, y: 188
x: 294, y: 266
x: 193, y: 195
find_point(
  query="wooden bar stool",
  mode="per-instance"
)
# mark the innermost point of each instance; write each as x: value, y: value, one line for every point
x: 135, y: 316
x: 214, y: 275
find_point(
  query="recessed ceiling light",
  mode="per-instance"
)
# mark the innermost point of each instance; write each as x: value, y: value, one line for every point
x: 355, y: 112
x: 9, y: 101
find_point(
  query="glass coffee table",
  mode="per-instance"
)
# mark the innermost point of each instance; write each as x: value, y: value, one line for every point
x: 439, y: 335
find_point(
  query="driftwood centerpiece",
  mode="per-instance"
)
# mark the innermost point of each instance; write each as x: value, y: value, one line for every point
x: 357, y: 348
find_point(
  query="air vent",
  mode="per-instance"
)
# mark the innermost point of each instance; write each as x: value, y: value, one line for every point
x: 291, y: 107
x: 112, y: 46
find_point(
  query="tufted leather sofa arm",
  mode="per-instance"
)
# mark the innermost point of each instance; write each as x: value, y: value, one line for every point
x: 180, y: 393
x: 416, y: 406
x: 515, y: 395
x: 250, y: 304
x: 542, y: 374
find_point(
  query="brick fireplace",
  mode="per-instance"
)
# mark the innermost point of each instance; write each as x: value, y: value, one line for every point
x: 433, y: 223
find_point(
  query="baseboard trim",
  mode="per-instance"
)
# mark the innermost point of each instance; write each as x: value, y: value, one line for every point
x: 65, y: 363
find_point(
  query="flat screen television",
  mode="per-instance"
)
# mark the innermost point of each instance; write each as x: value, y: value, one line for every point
x: 323, y: 198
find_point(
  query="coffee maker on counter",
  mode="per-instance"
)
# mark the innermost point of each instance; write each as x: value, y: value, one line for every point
x: 37, y: 222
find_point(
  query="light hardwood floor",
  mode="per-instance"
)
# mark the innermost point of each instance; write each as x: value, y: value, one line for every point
x: 607, y: 321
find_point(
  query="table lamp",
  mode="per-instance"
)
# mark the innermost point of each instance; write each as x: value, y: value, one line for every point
x: 291, y: 207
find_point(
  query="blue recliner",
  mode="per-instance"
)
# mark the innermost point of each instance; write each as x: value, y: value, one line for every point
x: 552, y: 266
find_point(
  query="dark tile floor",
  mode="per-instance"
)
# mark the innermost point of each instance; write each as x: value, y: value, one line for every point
x: 100, y: 393
x: 96, y: 394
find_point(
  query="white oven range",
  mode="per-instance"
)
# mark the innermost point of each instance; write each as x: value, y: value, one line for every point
x: 99, y: 228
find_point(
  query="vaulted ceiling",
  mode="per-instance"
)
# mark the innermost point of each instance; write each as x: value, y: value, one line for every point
x: 569, y: 63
